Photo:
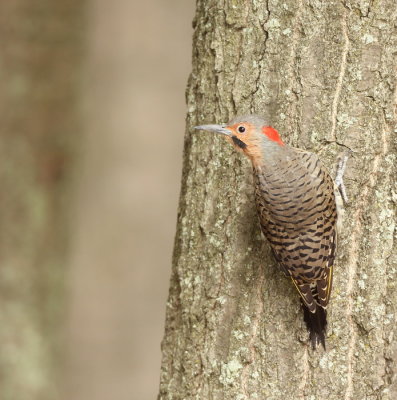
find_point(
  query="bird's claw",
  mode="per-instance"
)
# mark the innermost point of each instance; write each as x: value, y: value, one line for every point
x: 339, y: 175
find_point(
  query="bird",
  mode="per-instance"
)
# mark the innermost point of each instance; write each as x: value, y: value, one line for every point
x: 296, y: 203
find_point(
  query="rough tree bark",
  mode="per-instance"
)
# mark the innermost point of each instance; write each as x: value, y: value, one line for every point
x: 39, y: 63
x: 324, y: 74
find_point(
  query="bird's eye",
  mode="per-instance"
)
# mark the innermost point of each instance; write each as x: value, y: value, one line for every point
x: 241, y: 129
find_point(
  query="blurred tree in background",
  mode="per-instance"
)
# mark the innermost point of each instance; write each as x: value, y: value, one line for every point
x: 81, y: 204
x: 40, y: 58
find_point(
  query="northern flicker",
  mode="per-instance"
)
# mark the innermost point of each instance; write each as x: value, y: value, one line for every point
x: 297, y: 212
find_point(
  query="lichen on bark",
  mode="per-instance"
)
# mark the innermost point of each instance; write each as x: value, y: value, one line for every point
x: 324, y: 74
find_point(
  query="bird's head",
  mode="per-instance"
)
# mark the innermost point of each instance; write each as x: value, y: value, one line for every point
x: 249, y: 134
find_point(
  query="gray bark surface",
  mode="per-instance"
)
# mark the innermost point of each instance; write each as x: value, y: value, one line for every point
x: 324, y: 74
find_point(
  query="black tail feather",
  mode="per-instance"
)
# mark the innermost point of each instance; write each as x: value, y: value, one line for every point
x: 316, y: 324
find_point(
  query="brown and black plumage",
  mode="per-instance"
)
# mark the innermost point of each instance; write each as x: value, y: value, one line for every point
x: 296, y: 206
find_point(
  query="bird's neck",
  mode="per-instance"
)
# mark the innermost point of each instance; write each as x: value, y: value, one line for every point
x: 272, y: 156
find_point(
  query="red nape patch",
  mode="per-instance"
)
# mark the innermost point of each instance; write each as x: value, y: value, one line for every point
x: 272, y: 134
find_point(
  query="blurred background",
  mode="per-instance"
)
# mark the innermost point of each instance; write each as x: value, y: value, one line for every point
x: 92, y: 117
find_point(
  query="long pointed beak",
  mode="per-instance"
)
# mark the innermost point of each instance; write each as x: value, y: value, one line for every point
x: 215, y: 128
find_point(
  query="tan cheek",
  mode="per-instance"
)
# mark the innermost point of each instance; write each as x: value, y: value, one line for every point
x: 242, y: 136
x: 255, y: 152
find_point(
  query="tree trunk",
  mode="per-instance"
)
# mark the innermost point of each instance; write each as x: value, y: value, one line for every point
x: 39, y: 64
x: 324, y: 74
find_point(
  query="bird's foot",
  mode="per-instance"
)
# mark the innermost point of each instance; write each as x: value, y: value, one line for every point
x: 343, y: 157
